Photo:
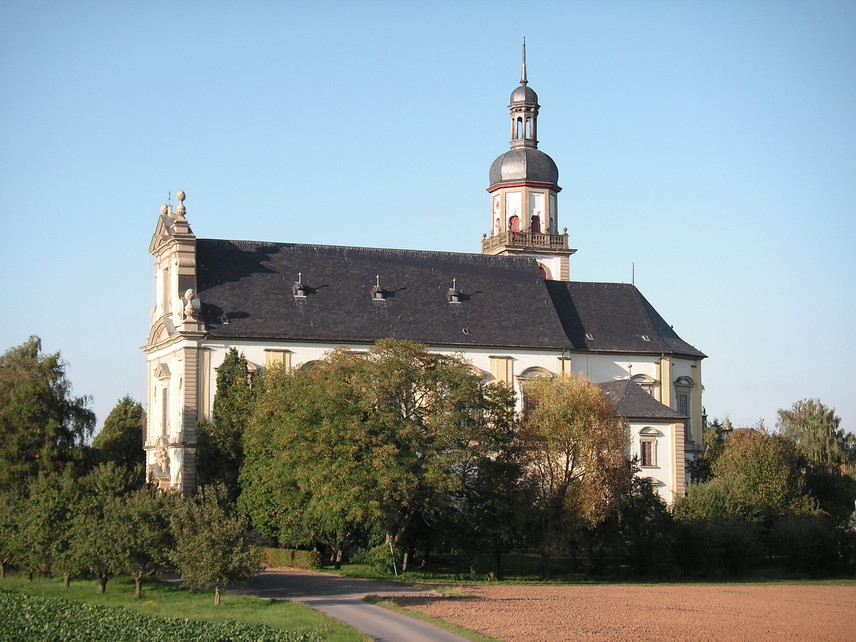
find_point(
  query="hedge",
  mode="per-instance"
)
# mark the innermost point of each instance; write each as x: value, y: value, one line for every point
x: 26, y: 617
x: 292, y: 558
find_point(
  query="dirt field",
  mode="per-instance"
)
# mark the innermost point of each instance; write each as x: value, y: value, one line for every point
x: 658, y: 612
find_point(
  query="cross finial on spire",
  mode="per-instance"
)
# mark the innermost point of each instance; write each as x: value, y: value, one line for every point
x: 523, y: 79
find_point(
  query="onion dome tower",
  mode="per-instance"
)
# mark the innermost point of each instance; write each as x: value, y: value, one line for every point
x: 524, y: 193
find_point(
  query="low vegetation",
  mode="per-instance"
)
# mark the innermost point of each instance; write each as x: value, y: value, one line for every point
x: 36, y: 618
x: 164, y: 605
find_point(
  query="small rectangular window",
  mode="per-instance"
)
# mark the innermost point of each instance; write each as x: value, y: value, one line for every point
x: 501, y: 369
x: 278, y: 358
x: 646, y: 453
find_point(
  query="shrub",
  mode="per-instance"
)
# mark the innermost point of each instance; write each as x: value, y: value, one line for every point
x: 379, y: 559
x: 809, y: 544
x: 292, y: 558
x: 718, y: 548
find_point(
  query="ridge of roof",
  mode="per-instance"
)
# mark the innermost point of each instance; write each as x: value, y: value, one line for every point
x: 377, y: 250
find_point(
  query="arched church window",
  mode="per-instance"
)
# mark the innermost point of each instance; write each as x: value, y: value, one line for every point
x: 648, y: 447
x: 519, y: 131
x: 535, y: 225
x: 645, y: 382
x: 523, y: 380
x: 514, y: 224
x: 528, y: 128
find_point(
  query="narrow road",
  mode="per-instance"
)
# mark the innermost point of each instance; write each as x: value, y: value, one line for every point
x: 342, y: 599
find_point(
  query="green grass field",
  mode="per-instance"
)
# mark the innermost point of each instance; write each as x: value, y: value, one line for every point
x: 169, y: 600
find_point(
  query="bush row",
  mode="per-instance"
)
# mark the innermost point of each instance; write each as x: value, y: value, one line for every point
x: 292, y: 558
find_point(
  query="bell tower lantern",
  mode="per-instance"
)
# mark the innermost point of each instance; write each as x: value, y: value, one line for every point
x: 524, y: 193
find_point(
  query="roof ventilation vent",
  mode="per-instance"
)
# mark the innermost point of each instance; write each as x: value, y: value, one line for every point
x: 298, y: 289
x: 645, y: 337
x: 224, y: 319
x: 454, y: 293
x: 378, y: 293
x: 589, y: 336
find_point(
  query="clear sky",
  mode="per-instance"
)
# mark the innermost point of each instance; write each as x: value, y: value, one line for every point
x: 713, y: 144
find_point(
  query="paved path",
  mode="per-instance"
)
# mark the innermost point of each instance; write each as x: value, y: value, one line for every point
x: 342, y: 598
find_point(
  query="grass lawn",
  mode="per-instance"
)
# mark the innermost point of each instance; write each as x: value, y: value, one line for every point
x: 168, y: 600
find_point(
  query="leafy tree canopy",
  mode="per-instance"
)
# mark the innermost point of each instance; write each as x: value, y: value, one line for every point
x: 816, y: 430
x: 577, y: 457
x: 121, y: 438
x: 212, y: 547
x: 756, y: 475
x: 220, y: 452
x: 363, y: 443
x: 42, y: 426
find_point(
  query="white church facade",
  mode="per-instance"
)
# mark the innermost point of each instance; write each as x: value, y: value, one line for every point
x: 512, y: 311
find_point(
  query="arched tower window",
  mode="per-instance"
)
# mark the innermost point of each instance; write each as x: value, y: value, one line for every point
x: 535, y: 225
x: 518, y: 132
x: 514, y: 224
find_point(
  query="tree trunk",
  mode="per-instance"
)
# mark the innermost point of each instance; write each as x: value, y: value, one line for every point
x: 102, y: 582
x: 216, y: 596
x: 405, y: 561
x: 138, y: 587
x: 66, y: 580
x: 2, y: 569
x: 337, y: 563
x: 427, y: 556
x: 545, y: 565
x: 496, y: 565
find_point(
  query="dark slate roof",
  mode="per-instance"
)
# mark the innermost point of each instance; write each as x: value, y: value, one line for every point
x: 617, y: 318
x: 504, y: 300
x: 634, y: 403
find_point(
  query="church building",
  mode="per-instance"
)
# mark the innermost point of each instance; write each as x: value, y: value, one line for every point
x: 512, y: 311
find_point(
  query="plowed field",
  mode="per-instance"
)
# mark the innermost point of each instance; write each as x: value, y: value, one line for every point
x: 651, y: 612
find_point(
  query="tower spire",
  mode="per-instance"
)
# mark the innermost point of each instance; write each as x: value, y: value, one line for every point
x: 523, y: 79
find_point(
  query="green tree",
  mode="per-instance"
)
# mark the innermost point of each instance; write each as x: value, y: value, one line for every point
x: 576, y: 459
x: 482, y: 516
x: 121, y: 438
x: 732, y: 520
x: 212, y: 547
x: 141, y: 529
x: 11, y: 504
x: 816, y: 430
x: 99, y: 517
x: 42, y: 426
x: 699, y: 468
x: 762, y: 472
x: 220, y: 451
x: 365, y: 443
x: 40, y: 518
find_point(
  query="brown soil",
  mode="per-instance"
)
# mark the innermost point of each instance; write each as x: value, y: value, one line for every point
x: 657, y: 612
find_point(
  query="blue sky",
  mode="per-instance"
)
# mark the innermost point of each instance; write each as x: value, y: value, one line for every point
x: 713, y: 144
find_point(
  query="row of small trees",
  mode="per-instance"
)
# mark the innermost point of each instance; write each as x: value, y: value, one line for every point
x: 106, y: 523
x: 70, y: 508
